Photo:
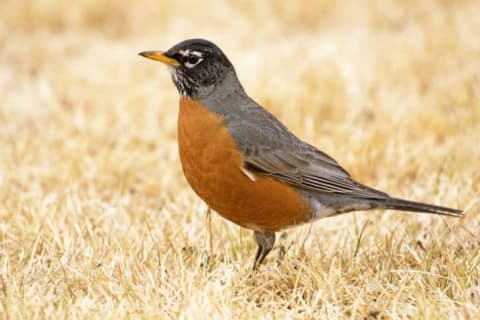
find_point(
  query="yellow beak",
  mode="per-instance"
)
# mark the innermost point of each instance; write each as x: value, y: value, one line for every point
x: 160, y: 56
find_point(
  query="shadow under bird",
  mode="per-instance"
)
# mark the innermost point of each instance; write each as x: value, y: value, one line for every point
x: 246, y: 165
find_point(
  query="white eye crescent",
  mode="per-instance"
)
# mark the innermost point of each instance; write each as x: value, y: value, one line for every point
x: 192, y: 61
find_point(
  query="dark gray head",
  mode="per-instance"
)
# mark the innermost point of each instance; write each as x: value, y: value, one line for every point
x: 197, y: 66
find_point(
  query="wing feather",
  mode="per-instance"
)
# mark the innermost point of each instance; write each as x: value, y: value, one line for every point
x: 315, y: 174
x: 269, y: 148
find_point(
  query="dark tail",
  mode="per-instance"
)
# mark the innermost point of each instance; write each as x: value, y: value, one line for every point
x: 406, y: 205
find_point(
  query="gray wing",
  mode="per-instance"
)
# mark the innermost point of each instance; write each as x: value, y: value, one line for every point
x: 269, y: 148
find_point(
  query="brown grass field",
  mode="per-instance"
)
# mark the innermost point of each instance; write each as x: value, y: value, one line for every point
x: 98, y: 222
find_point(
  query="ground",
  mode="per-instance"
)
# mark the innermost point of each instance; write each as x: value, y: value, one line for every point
x: 97, y: 220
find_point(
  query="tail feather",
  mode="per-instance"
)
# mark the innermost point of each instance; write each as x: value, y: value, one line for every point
x: 400, y: 204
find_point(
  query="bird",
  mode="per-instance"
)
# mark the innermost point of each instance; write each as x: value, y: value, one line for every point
x: 248, y: 166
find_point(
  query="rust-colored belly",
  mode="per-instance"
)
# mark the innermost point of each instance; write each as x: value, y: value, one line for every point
x: 212, y: 165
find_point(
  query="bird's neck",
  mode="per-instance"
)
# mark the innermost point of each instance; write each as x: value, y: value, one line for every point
x: 226, y: 96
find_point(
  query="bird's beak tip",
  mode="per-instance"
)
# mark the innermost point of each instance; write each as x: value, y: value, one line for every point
x: 159, y: 56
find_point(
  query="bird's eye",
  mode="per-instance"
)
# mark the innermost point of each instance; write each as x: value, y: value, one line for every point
x: 192, y: 60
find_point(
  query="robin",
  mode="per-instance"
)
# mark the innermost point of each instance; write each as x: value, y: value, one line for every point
x: 246, y: 165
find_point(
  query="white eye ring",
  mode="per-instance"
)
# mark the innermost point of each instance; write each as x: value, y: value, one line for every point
x: 191, y: 65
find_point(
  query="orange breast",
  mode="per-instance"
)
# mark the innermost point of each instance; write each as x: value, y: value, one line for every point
x: 212, y: 165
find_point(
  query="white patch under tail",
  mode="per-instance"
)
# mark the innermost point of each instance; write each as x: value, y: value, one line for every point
x: 320, y: 210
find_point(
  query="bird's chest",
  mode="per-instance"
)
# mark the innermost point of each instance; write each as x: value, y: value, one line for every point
x: 208, y: 153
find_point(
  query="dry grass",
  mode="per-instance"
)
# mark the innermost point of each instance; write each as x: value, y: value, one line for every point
x: 97, y: 221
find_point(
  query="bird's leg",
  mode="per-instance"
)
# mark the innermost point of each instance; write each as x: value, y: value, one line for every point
x: 209, y: 228
x: 265, y: 241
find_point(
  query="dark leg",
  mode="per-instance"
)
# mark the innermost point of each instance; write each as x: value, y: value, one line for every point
x: 265, y: 241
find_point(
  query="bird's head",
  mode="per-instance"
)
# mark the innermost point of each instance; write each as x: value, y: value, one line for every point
x: 197, y: 66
